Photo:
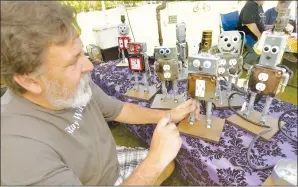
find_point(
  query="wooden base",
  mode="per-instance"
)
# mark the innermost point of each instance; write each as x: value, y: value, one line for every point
x: 254, y: 129
x: 269, y: 182
x: 168, y: 103
x: 236, y: 102
x: 140, y: 93
x: 199, y: 129
x: 123, y: 64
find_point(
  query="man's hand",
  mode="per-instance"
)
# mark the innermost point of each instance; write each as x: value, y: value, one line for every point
x: 165, y: 144
x: 181, y: 111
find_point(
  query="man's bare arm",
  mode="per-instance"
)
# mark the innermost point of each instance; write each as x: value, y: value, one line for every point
x: 134, y: 114
x: 146, y: 173
x: 254, y: 29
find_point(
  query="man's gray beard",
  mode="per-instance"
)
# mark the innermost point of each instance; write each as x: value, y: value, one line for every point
x: 62, y: 98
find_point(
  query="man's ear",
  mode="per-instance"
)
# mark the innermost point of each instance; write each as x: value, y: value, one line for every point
x: 28, y: 83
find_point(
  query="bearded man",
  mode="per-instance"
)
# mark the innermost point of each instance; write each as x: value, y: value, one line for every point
x: 54, y: 118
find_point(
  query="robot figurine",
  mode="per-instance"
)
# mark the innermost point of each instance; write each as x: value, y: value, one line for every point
x: 202, y: 81
x: 230, y: 46
x: 138, y: 62
x: 123, y: 39
x: 167, y: 69
x: 182, y: 48
x: 266, y: 78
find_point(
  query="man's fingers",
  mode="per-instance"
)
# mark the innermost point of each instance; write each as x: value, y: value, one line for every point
x: 163, y: 122
x: 186, y: 104
x: 171, y: 126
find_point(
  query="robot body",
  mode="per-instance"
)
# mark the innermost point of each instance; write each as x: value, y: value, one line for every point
x: 202, y: 81
x: 167, y: 68
x: 182, y: 47
x: 123, y: 39
x: 138, y: 62
x: 266, y: 78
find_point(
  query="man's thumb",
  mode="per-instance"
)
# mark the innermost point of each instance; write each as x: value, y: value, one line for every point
x: 162, y: 122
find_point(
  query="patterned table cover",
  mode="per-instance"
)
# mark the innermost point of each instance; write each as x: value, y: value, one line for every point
x: 201, y: 162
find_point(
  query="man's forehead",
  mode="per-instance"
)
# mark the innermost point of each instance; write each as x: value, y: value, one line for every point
x: 68, y: 49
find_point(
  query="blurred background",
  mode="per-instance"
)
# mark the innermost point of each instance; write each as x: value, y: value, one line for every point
x: 99, y: 16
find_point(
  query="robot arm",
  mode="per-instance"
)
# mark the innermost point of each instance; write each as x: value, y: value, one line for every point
x: 245, y: 84
x: 285, y: 80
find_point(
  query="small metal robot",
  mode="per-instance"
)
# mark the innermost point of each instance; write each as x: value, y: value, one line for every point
x: 138, y: 62
x: 202, y: 81
x: 230, y: 46
x: 123, y: 39
x: 182, y: 47
x: 167, y: 69
x: 266, y: 78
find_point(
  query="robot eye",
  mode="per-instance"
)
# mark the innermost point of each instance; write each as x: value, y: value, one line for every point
x: 120, y: 27
x: 207, y: 64
x: 131, y: 47
x: 206, y: 44
x: 221, y: 36
x: 235, y: 39
x: 196, y: 63
x: 138, y: 47
x: 267, y: 48
x: 161, y: 51
x: 275, y: 49
x: 226, y: 39
x: 168, y: 51
x: 124, y: 27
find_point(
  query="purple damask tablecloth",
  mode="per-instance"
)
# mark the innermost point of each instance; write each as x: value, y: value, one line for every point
x: 201, y: 162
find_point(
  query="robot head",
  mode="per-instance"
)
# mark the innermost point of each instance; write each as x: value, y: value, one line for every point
x: 136, y: 47
x: 230, y: 42
x: 206, y: 42
x: 203, y: 64
x: 123, y: 29
x: 273, y: 50
x: 181, y: 32
x: 163, y: 52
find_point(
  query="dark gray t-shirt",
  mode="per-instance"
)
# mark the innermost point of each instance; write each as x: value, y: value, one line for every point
x: 69, y: 147
x: 251, y: 13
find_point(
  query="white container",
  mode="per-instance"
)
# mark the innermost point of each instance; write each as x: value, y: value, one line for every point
x: 285, y: 173
x: 106, y: 37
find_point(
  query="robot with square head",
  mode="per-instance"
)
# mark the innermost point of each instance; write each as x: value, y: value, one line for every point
x: 167, y: 69
x: 138, y: 62
x: 230, y: 46
x: 182, y: 47
x: 267, y: 78
x: 123, y: 40
x: 202, y: 81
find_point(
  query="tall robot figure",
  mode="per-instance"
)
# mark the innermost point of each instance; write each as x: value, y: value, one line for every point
x: 230, y: 46
x: 182, y: 48
x: 138, y: 63
x: 123, y: 39
x: 202, y: 83
x: 167, y: 69
x: 266, y: 78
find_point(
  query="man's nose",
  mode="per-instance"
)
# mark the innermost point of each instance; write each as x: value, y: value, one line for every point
x: 87, y: 65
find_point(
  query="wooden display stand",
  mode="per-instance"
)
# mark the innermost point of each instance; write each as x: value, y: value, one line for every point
x: 168, y: 103
x: 199, y: 129
x: 140, y: 93
x: 236, y: 102
x: 254, y: 129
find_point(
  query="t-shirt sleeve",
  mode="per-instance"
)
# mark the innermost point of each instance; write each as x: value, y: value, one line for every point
x: 109, y: 106
x: 250, y: 13
x: 268, y: 16
x: 26, y: 161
